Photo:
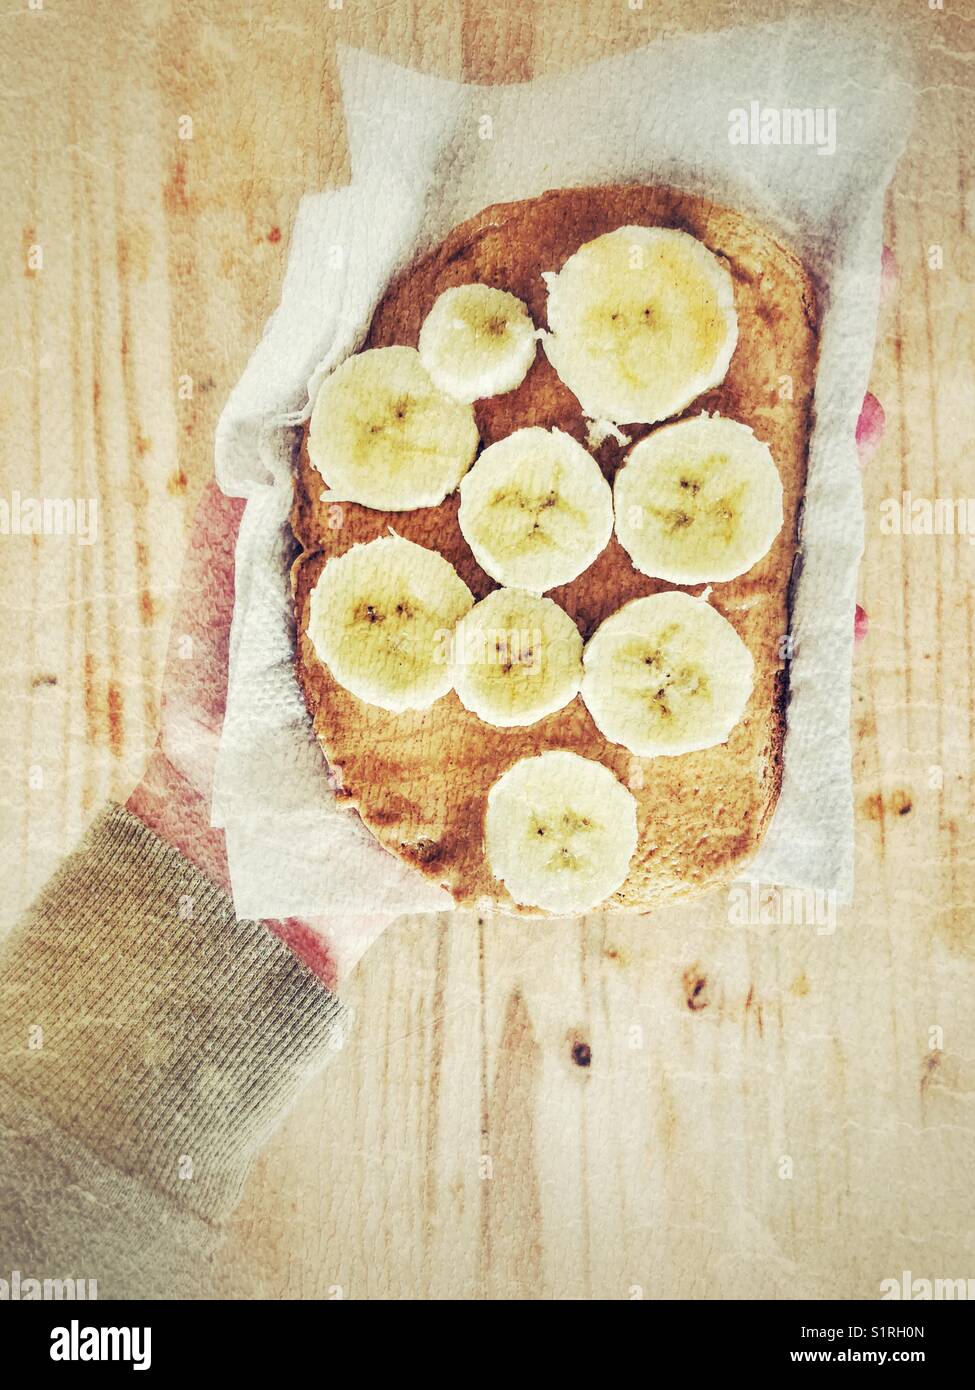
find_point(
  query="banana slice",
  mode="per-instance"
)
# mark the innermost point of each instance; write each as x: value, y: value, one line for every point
x: 535, y: 509
x: 666, y: 675
x: 517, y: 658
x: 641, y: 321
x: 560, y: 832
x: 477, y: 341
x: 697, y: 501
x: 382, y: 618
x: 382, y: 434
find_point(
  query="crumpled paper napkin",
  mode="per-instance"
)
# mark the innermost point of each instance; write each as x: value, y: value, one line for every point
x: 698, y: 112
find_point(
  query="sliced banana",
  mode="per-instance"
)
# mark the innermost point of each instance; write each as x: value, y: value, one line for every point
x: 535, y: 509
x: 666, y: 675
x: 642, y: 320
x: 697, y: 501
x: 382, y: 619
x: 477, y: 341
x: 560, y: 832
x: 383, y: 435
x: 517, y: 658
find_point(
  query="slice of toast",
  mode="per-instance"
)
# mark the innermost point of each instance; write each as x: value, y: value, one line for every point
x: 419, y: 780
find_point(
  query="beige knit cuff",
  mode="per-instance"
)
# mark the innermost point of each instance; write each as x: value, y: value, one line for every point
x: 140, y: 1017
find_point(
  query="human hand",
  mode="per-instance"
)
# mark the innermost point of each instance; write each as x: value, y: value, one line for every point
x: 174, y: 797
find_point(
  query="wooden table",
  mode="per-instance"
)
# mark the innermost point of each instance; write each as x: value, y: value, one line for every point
x: 674, y: 1106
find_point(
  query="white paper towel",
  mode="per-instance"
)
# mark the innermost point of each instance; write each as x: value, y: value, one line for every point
x: 428, y: 153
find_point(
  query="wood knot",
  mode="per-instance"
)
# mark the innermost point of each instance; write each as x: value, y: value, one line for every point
x: 697, y: 991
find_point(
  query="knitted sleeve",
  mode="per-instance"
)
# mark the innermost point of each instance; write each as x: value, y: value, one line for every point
x: 149, y: 1043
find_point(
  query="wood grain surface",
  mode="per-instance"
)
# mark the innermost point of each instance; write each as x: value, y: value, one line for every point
x: 611, y: 1108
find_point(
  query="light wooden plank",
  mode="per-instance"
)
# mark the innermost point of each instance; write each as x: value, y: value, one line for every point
x: 457, y: 1147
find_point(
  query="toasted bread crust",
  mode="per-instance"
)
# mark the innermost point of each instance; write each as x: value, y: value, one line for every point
x: 419, y: 781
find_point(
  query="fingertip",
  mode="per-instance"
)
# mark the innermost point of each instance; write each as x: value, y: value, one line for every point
x: 861, y: 624
x: 870, y: 427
